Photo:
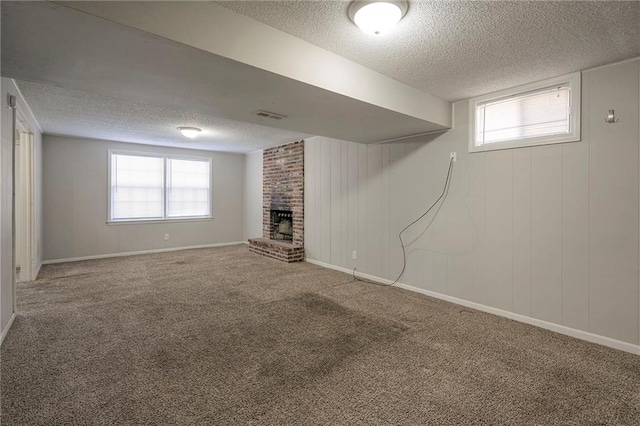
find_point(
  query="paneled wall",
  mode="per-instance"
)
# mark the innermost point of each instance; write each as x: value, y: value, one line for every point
x: 548, y: 232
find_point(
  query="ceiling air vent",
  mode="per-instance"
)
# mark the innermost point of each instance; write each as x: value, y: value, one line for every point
x: 271, y: 115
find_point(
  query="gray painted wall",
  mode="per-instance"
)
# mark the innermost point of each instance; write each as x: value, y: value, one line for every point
x: 75, y: 203
x: 548, y: 232
x: 6, y: 177
x: 253, y: 195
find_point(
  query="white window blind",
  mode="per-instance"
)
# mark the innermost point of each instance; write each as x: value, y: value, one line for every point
x: 158, y: 187
x: 137, y: 185
x: 540, y: 113
x: 188, y: 188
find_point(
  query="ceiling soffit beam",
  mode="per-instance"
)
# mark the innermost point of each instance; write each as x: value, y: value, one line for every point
x: 215, y: 29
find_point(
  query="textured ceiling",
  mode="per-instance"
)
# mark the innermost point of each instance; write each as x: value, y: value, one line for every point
x: 160, y: 79
x: 76, y: 113
x: 460, y: 49
x: 126, y: 85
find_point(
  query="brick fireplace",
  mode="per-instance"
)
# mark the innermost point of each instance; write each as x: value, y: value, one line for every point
x: 282, y: 204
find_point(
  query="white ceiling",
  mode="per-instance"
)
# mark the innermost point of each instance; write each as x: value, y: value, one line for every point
x: 76, y: 113
x: 460, y: 49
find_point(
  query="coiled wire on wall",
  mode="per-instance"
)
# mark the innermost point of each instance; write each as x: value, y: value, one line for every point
x: 404, y: 252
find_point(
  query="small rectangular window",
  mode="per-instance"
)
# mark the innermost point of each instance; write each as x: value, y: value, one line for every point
x: 148, y: 187
x: 536, y: 114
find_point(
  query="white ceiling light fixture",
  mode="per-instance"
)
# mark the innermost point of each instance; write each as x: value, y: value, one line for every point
x: 189, y: 132
x: 378, y: 16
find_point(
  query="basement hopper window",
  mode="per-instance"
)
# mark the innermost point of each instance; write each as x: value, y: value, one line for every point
x: 541, y: 113
x: 151, y: 187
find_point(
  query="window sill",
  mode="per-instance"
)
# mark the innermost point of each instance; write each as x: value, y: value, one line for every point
x: 155, y: 221
x: 523, y: 143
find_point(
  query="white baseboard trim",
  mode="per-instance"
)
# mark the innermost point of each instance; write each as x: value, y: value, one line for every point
x: 134, y: 253
x: 578, y: 334
x: 6, y: 329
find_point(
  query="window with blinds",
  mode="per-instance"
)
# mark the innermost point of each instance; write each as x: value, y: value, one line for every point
x: 136, y: 187
x: 188, y: 188
x: 148, y: 187
x: 543, y: 113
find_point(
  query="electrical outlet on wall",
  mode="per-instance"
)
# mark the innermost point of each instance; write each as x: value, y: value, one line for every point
x: 354, y: 255
x: 166, y: 237
x: 453, y: 156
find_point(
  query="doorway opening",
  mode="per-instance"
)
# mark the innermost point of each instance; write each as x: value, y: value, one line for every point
x: 24, y: 167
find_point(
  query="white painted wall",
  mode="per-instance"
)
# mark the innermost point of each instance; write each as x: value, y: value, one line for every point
x: 253, y: 195
x: 75, y: 203
x: 550, y: 233
x: 6, y: 177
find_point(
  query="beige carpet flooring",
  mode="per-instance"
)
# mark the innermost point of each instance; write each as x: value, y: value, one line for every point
x: 223, y: 336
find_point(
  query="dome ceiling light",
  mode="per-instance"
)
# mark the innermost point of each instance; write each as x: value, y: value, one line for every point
x: 377, y: 17
x: 189, y: 132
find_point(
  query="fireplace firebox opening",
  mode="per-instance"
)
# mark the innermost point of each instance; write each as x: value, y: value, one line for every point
x: 282, y: 225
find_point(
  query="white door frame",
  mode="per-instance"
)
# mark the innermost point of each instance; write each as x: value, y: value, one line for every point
x: 26, y: 198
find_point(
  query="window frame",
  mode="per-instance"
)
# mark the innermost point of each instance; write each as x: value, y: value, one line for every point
x: 165, y: 201
x: 574, y: 82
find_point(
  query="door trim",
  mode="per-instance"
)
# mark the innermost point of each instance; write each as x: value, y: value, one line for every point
x: 26, y: 197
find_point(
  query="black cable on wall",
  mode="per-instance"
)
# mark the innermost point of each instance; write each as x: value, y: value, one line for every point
x: 404, y: 253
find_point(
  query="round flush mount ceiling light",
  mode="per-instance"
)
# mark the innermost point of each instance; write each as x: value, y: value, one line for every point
x: 377, y: 17
x: 189, y: 132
